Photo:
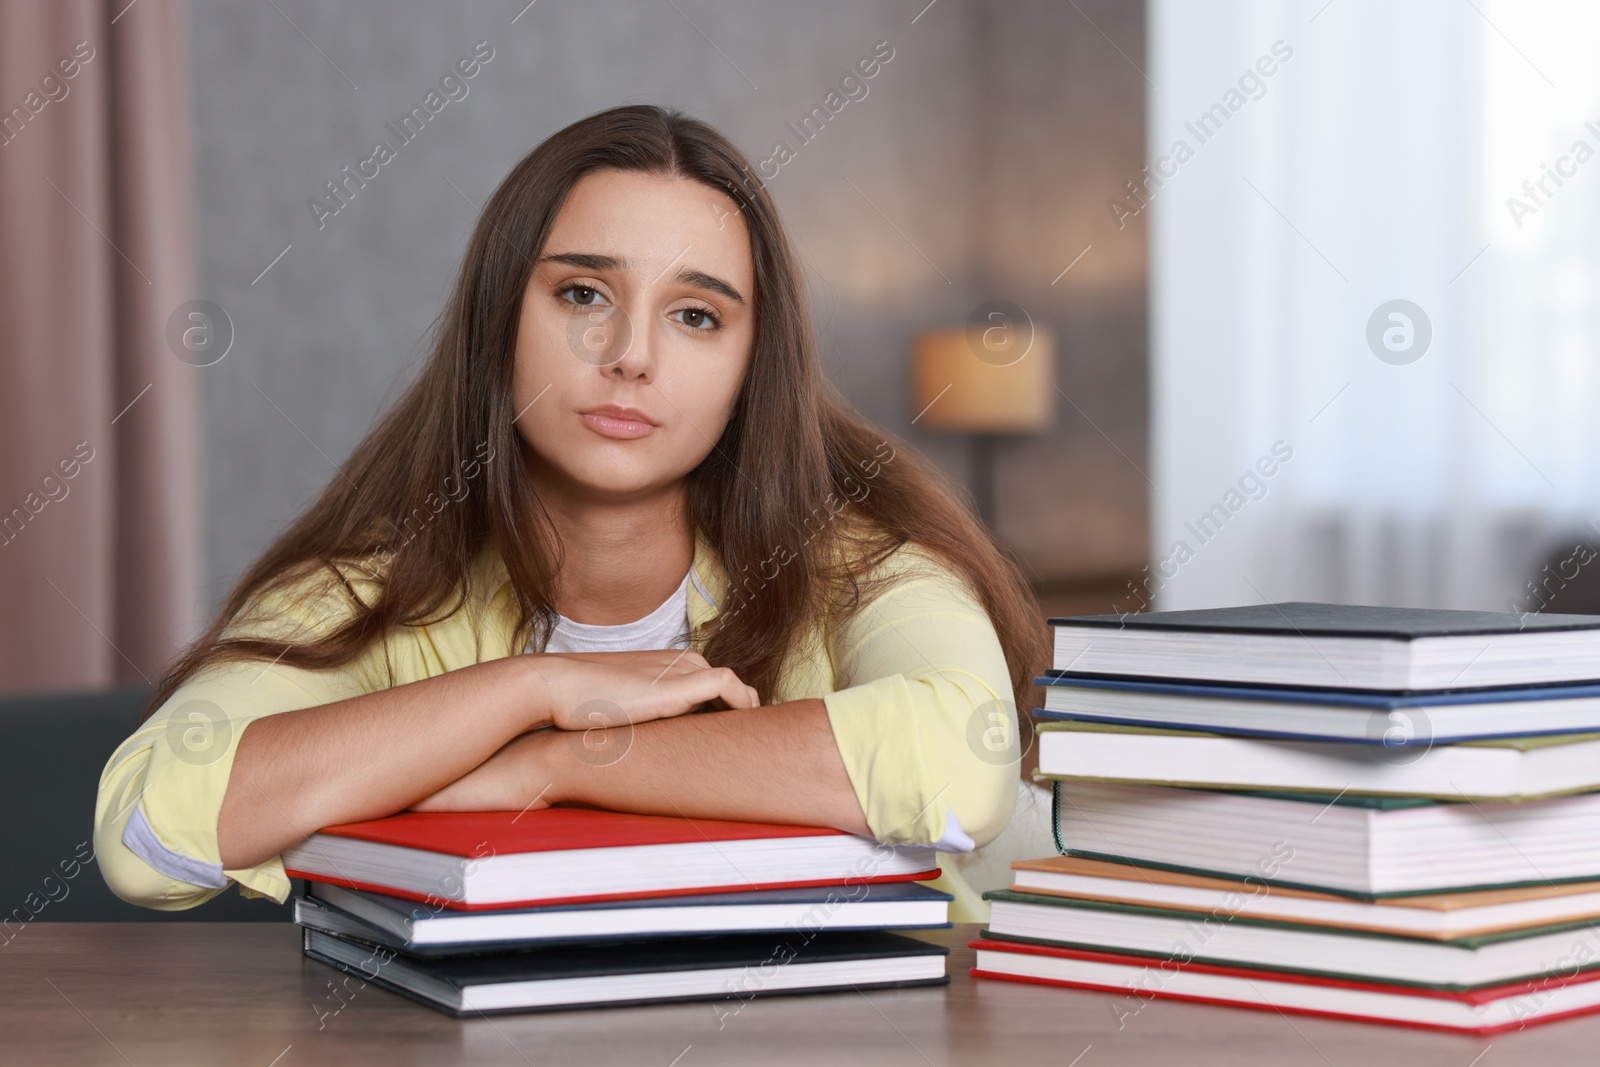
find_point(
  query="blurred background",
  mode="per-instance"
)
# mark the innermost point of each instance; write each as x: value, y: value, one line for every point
x: 1308, y: 288
x: 183, y: 164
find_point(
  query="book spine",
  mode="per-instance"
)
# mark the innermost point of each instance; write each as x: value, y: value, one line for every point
x: 1055, y: 817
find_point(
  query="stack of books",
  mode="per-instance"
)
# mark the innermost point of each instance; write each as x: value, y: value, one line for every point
x: 1371, y: 813
x: 572, y: 907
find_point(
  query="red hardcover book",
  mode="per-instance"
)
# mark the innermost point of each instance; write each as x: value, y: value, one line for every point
x: 504, y: 859
x: 1137, y: 979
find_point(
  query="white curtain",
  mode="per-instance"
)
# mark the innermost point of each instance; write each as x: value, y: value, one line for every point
x: 1372, y: 157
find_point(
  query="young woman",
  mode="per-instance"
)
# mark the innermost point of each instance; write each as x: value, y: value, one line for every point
x: 619, y: 544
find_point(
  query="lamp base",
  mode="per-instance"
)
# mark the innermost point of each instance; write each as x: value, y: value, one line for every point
x: 983, y: 477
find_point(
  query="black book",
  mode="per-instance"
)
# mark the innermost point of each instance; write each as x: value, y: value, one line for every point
x: 1334, y: 646
x: 732, y: 967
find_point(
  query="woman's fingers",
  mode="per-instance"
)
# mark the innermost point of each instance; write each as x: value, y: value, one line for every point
x: 720, y: 683
x: 658, y: 662
x: 683, y: 693
x: 645, y: 685
x: 679, y: 664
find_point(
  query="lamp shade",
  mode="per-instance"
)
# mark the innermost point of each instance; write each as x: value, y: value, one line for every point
x: 985, y: 377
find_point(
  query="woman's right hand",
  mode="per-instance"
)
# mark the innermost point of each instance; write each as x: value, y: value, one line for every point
x: 605, y: 689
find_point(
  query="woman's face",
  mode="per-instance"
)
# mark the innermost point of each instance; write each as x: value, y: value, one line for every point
x: 635, y: 332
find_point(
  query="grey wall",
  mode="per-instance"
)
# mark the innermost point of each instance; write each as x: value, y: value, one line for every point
x: 991, y: 141
x: 1061, y: 129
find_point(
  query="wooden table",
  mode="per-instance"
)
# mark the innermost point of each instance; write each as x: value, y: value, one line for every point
x: 156, y: 995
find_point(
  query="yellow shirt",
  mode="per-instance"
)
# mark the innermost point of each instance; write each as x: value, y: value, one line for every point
x: 915, y: 684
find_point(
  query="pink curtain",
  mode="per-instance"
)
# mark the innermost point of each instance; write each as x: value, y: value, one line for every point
x: 99, y: 424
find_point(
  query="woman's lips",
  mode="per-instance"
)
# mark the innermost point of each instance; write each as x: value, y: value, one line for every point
x: 615, y: 426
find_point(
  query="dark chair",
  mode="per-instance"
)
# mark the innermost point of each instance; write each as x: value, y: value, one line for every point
x: 50, y: 763
x: 1568, y: 582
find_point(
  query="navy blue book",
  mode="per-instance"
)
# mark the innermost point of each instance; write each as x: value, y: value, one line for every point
x: 1393, y: 720
x: 419, y: 930
x: 1335, y: 646
x: 733, y: 967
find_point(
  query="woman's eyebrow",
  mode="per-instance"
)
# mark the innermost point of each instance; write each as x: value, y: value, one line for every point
x: 596, y: 261
x: 709, y: 281
x: 586, y: 260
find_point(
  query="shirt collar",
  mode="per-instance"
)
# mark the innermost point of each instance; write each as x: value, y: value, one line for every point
x: 708, y: 582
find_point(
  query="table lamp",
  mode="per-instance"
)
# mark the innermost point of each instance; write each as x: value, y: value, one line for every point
x: 991, y: 378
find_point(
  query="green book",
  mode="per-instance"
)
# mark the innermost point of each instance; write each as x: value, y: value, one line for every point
x: 1362, y: 847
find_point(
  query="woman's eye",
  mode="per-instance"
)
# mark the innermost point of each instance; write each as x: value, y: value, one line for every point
x: 582, y: 295
x: 697, y: 318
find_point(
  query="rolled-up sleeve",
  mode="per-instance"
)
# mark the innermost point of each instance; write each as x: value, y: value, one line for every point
x: 924, y: 717
x: 155, y: 821
x: 161, y: 791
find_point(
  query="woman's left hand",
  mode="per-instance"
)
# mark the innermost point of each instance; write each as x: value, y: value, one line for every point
x: 516, y: 778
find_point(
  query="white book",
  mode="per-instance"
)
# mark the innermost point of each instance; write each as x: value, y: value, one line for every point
x: 1363, y: 847
x: 1515, y: 768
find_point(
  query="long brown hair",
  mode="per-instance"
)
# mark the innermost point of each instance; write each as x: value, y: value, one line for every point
x: 800, y: 497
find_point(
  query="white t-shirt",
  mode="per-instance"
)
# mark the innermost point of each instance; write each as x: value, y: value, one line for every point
x: 665, y: 627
